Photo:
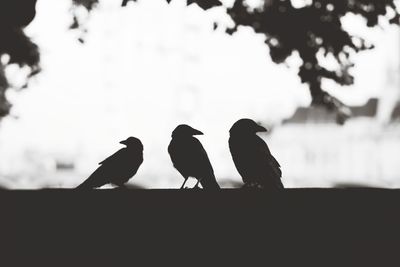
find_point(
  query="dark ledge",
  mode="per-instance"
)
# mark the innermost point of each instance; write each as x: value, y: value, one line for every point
x: 156, y: 225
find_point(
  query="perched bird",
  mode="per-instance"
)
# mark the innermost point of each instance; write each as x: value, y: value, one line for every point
x: 252, y: 157
x: 189, y: 157
x: 119, y: 167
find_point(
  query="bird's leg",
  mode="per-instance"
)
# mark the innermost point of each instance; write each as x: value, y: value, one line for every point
x: 184, y: 183
x: 197, y: 184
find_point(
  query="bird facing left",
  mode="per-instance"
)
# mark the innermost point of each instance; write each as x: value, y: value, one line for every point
x: 118, y: 168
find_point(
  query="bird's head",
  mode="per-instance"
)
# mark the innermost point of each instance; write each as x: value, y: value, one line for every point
x: 132, y: 142
x: 185, y: 130
x: 246, y: 126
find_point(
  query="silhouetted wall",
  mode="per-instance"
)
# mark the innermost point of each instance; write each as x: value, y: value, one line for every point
x: 232, y: 226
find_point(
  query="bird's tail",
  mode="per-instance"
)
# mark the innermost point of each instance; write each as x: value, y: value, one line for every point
x: 90, y: 182
x: 280, y: 184
x: 84, y: 185
x: 210, y: 183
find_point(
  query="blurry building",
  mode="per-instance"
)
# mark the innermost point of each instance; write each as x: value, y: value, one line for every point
x: 317, y: 114
x: 314, y: 150
x: 395, y: 117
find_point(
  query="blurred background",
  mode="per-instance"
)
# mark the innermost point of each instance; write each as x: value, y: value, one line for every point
x: 145, y: 68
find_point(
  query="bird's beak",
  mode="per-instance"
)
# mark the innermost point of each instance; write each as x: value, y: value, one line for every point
x: 261, y: 129
x: 196, y: 132
x: 123, y: 142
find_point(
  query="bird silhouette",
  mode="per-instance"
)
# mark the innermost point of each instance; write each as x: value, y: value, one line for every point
x: 189, y: 157
x: 252, y: 157
x: 119, y: 167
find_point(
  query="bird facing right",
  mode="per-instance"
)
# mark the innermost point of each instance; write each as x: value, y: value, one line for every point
x: 190, y: 158
x: 119, y: 167
x: 252, y: 157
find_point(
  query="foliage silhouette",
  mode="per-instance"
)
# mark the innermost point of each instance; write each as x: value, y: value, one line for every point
x: 14, y: 16
x: 312, y: 30
x: 309, y: 31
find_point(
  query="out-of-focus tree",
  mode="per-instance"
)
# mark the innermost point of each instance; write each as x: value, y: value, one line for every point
x: 312, y: 30
x: 15, y: 46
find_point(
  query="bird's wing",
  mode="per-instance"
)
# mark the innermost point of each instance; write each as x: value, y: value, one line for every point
x: 267, y: 161
x: 206, y: 172
x: 114, y: 167
x: 116, y: 157
x: 200, y: 157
